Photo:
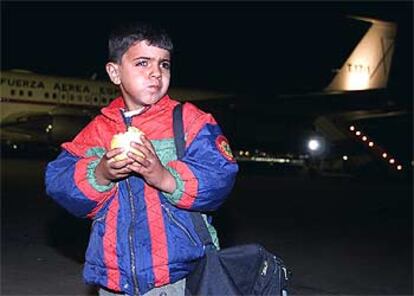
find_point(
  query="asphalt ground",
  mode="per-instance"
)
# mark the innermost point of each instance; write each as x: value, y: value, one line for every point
x: 338, y: 235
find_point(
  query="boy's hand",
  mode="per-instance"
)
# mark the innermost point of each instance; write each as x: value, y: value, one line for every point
x: 109, y: 169
x: 150, y: 167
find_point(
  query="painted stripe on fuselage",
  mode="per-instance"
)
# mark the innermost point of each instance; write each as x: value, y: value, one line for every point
x: 37, y: 102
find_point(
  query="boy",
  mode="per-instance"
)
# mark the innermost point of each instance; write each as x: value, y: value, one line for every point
x: 142, y: 238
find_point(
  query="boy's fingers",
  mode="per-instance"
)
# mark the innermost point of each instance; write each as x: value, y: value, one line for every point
x: 124, y: 171
x: 147, y: 143
x: 136, y: 167
x: 119, y: 164
x: 121, y: 176
x: 141, y: 148
x: 139, y: 160
x: 113, y: 152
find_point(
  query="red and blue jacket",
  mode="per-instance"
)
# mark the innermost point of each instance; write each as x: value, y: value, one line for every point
x: 144, y: 238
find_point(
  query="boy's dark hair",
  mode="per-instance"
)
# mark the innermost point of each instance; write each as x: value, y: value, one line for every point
x: 125, y: 35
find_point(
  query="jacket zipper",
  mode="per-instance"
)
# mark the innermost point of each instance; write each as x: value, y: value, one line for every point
x: 179, y: 224
x: 131, y: 239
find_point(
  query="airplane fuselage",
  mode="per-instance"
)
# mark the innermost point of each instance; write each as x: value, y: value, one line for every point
x: 23, y: 91
x: 19, y: 90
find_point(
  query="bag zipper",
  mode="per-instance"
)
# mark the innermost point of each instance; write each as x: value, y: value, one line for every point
x: 282, y: 266
x: 131, y: 238
x: 179, y: 224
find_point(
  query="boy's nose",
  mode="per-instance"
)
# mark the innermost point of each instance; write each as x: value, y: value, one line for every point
x: 155, y: 72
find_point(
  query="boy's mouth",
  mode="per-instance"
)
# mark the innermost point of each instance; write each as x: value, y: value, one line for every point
x: 154, y: 86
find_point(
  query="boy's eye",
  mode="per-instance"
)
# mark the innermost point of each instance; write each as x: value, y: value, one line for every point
x: 166, y: 65
x: 142, y: 63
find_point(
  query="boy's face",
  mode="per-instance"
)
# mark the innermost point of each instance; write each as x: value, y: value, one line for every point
x: 143, y: 74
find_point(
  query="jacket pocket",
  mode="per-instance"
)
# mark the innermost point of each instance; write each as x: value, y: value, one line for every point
x: 180, y: 225
x: 94, y: 251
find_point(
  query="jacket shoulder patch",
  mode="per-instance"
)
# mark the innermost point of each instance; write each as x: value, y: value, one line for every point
x: 223, y: 146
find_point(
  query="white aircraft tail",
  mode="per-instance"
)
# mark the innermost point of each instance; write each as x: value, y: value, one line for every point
x: 368, y: 66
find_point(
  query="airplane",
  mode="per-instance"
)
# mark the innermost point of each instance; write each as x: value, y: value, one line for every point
x: 47, y: 109
x: 41, y: 109
x: 316, y: 125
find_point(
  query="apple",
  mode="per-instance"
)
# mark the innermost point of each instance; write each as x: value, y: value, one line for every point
x: 123, y: 140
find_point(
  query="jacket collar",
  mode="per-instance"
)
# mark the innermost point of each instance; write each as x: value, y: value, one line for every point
x: 113, y: 110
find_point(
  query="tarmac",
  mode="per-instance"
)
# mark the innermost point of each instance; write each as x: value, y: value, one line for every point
x: 338, y: 235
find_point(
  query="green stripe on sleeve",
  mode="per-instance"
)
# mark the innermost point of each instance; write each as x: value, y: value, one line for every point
x: 178, y: 192
x: 98, y: 152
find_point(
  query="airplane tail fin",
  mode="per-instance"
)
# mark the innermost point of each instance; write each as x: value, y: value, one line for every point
x: 368, y: 66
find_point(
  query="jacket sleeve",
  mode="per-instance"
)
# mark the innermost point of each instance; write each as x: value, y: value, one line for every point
x: 206, y: 173
x: 70, y: 178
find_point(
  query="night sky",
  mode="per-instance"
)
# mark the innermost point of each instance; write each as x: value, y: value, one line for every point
x: 269, y: 47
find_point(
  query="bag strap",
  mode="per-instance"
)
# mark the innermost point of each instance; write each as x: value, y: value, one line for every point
x: 179, y: 140
x: 178, y: 126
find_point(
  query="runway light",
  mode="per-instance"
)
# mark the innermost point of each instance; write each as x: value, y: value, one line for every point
x: 392, y: 160
x: 370, y: 144
x: 352, y: 128
x: 358, y: 133
x: 399, y: 167
x: 316, y: 145
x: 364, y: 138
x: 345, y: 157
x: 384, y: 155
x: 49, y: 128
x: 313, y: 145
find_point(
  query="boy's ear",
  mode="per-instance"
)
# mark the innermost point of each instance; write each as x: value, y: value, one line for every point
x: 113, y: 71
